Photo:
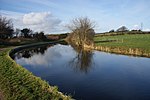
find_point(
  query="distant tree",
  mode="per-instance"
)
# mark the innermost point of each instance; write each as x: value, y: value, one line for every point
x: 111, y: 31
x: 82, y: 31
x: 122, y: 29
x: 42, y: 36
x: 39, y: 35
x: 6, y: 28
x: 26, y: 32
x: 136, y: 30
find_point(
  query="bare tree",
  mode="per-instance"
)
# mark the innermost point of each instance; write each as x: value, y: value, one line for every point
x: 6, y: 28
x: 82, y: 31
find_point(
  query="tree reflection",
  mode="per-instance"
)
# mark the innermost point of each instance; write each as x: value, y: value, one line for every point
x: 83, y: 60
x: 27, y: 53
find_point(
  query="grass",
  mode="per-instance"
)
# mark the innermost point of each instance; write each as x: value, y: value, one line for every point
x: 17, y: 83
x: 126, y: 41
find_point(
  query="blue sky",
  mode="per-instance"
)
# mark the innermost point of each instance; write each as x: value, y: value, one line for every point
x: 55, y: 14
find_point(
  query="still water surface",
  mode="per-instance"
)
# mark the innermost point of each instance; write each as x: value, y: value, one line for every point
x: 89, y: 75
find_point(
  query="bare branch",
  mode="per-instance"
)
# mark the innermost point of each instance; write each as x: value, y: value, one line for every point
x: 82, y: 31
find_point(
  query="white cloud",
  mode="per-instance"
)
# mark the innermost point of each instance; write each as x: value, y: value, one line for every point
x: 15, y: 16
x: 36, y: 18
x: 37, y: 21
x: 43, y: 21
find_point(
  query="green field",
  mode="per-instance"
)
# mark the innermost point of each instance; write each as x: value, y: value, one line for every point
x: 18, y: 83
x: 140, y: 41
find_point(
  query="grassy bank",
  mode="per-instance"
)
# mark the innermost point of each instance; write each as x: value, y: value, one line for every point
x: 17, y: 83
x: 131, y: 44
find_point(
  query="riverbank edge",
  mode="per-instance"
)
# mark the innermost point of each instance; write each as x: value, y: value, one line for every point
x: 26, y: 86
x: 118, y: 50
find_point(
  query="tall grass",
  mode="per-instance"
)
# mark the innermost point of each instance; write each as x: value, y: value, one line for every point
x: 131, y: 44
x: 17, y: 83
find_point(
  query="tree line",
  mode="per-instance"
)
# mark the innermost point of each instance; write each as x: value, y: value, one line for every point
x: 124, y: 29
x: 28, y: 33
x: 7, y: 31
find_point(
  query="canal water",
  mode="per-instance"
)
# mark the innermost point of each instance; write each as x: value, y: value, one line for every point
x: 89, y: 75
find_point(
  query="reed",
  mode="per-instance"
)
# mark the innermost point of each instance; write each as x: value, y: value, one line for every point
x: 128, y: 44
x: 119, y: 50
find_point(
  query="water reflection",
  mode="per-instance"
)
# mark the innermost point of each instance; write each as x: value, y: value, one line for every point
x: 28, y: 53
x: 111, y: 77
x: 83, y: 60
